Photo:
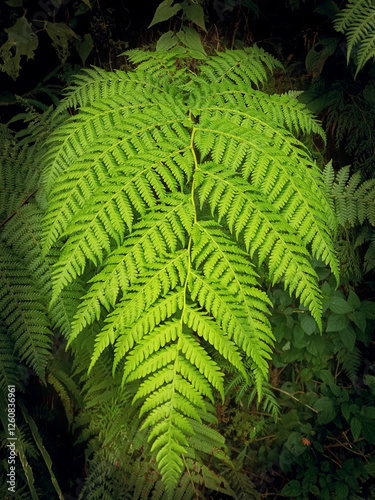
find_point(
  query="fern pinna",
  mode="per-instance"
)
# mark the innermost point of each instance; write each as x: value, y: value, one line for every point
x: 169, y: 192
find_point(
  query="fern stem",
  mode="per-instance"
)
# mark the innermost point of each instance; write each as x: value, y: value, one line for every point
x: 195, y: 222
x: 22, y: 204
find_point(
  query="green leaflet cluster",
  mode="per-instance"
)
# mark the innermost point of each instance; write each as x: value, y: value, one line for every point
x: 169, y: 193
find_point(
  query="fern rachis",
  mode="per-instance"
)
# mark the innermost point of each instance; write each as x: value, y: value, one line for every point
x: 170, y: 198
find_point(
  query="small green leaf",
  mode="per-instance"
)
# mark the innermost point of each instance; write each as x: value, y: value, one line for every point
x: 306, y: 374
x: 341, y: 490
x: 355, y: 409
x: 339, y: 305
x: 355, y: 426
x: 300, y: 340
x: 306, y: 428
x: 369, y: 412
x: 317, y: 445
x: 370, y: 467
x: 370, y: 381
x: 335, y: 390
x: 292, y: 489
x: 14, y: 3
x: 345, y: 411
x: 326, y: 289
x: 368, y: 430
x: 348, y: 337
x: 85, y: 47
x: 325, y: 466
x: 326, y: 377
x: 308, y: 324
x: 165, y: 11
x: 315, y: 490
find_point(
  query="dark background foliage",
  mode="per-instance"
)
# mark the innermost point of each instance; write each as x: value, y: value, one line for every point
x: 320, y: 443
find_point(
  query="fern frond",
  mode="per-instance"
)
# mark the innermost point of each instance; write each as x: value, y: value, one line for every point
x: 8, y: 365
x: 352, y: 201
x: 240, y: 66
x: 24, y: 312
x: 172, y: 203
x: 23, y: 233
x: 357, y: 21
x: 351, y: 362
x: 19, y: 175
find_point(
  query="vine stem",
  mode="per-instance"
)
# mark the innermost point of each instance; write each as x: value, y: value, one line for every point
x: 295, y: 399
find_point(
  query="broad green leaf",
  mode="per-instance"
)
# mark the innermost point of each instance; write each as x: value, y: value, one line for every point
x: 339, y: 305
x: 22, y: 41
x: 317, y: 345
x: 167, y: 41
x: 190, y: 38
x: 348, y: 337
x: 165, y: 11
x: 328, y: 8
x: 359, y: 319
x: 61, y: 35
x: 194, y: 12
x: 327, y: 410
x: 353, y: 300
x: 336, y: 322
x: 319, y: 53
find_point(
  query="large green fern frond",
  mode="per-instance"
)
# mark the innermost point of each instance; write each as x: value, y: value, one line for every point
x: 171, y: 194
